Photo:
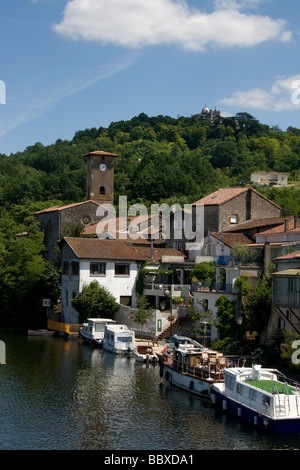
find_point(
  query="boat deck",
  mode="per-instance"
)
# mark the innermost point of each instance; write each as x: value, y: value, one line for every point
x: 271, y: 386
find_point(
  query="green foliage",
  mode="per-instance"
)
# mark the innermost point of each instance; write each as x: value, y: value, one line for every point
x: 95, y: 301
x: 204, y: 272
x: 21, y: 267
x: 226, y: 323
x: 143, y: 312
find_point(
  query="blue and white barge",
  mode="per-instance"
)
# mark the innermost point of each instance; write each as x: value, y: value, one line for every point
x: 262, y: 396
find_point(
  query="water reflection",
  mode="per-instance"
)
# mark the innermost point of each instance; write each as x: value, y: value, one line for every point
x: 58, y: 394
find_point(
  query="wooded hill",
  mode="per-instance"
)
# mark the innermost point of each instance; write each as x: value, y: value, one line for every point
x: 161, y: 159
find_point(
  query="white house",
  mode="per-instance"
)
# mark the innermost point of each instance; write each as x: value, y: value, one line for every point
x: 113, y: 263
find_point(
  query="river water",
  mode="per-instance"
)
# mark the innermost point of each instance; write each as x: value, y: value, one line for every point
x: 59, y: 394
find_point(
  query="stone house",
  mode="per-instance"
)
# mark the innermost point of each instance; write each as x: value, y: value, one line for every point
x: 264, y: 178
x: 229, y: 207
x: 54, y: 221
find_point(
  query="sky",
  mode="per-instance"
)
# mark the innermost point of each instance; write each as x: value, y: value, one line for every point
x: 69, y: 65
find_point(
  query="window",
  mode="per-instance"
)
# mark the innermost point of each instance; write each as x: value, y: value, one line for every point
x: 75, y: 269
x: 252, y: 394
x: 122, y: 269
x: 97, y: 269
x: 239, y: 389
x: 102, y: 190
x: 234, y: 218
x: 66, y: 267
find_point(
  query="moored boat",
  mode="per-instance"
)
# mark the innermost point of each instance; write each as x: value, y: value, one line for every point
x: 262, y: 396
x: 192, y: 367
x: 119, y: 339
x: 93, y: 331
x: 145, y: 353
x: 40, y: 332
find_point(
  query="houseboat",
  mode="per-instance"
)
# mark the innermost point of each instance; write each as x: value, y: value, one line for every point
x: 93, y: 331
x: 262, y: 396
x: 119, y: 339
x: 192, y: 367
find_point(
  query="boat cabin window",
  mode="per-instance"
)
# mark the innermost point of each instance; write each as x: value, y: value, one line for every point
x: 252, y: 394
x: 229, y: 381
x: 239, y: 389
x: 124, y: 339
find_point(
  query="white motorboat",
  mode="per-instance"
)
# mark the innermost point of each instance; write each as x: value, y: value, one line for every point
x: 119, y: 339
x: 145, y: 353
x: 93, y: 331
x: 262, y: 396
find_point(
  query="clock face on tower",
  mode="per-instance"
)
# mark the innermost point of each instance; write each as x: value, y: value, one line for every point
x: 102, y: 167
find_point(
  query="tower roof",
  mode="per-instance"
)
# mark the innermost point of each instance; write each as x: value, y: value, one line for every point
x: 101, y: 152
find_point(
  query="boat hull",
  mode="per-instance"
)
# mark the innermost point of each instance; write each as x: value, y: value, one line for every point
x: 185, y: 382
x: 274, y: 425
x: 41, y: 332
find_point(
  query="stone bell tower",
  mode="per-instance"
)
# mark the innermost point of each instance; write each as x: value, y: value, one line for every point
x: 100, y: 176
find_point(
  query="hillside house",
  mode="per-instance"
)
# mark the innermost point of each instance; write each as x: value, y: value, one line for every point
x: 264, y: 178
x: 229, y: 207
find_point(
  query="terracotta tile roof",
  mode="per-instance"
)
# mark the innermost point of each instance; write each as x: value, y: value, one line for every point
x: 281, y: 229
x: 96, y: 248
x: 230, y: 239
x: 158, y: 253
x: 294, y: 255
x: 221, y: 196
x: 256, y: 223
x: 67, y: 206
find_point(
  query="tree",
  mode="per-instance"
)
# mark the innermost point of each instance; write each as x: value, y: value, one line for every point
x: 204, y: 272
x: 95, y: 301
x: 143, y: 312
x: 201, y: 319
x: 225, y: 316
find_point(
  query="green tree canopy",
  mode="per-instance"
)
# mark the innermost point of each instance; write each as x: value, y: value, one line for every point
x: 95, y: 301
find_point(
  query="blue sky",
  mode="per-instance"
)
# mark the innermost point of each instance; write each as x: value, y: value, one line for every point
x: 68, y: 65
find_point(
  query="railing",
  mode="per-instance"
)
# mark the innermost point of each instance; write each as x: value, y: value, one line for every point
x: 164, y: 287
x: 203, y: 287
x: 286, y: 299
x: 63, y: 327
x: 232, y: 261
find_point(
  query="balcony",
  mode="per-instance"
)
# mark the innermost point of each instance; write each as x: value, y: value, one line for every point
x: 221, y: 288
x: 286, y: 299
x: 232, y: 261
x: 167, y: 290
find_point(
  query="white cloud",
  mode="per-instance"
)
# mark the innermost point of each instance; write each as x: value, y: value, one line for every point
x: 284, y: 95
x: 138, y: 23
